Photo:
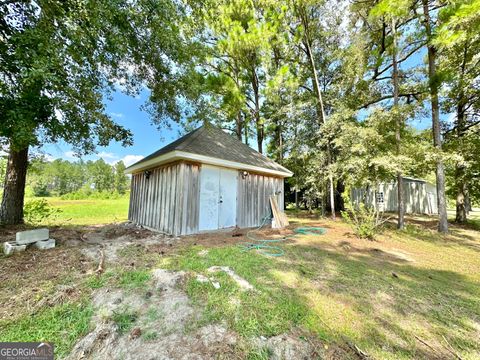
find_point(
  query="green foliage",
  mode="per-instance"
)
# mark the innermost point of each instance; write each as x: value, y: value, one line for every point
x: 134, y: 279
x: 77, y: 180
x: 98, y: 281
x: 366, y: 222
x: 89, y: 194
x: 61, y: 57
x: 124, y: 320
x: 39, y: 211
x: 121, y: 180
x: 62, y: 325
x: 40, y: 190
x: 3, y: 169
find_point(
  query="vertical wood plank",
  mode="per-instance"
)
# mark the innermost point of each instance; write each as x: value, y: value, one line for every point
x: 185, y: 202
x: 179, y: 199
x: 196, y: 198
x: 168, y: 189
x: 173, y: 194
x: 156, y: 204
x: 133, y: 189
x: 162, y: 201
x: 142, y: 197
x: 154, y: 199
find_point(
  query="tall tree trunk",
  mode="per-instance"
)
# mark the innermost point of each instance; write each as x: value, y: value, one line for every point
x: 280, y: 144
x: 461, y: 210
x: 11, y: 210
x: 297, y: 203
x: 468, y: 203
x: 437, y: 140
x: 238, y: 126
x: 461, y: 201
x: 278, y: 140
x: 461, y: 186
x: 398, y: 127
x: 320, y: 107
x: 339, y: 202
x: 258, y: 120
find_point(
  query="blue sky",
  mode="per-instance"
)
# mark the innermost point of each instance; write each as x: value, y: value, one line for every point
x: 126, y: 111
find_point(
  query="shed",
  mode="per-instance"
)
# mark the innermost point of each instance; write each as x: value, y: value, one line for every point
x: 420, y: 196
x: 204, y: 181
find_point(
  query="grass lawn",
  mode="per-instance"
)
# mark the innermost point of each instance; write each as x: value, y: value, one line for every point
x: 412, y: 294
x: 390, y: 297
x: 89, y: 211
x: 473, y: 217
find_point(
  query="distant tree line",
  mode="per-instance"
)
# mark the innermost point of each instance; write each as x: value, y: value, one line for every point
x: 77, y: 179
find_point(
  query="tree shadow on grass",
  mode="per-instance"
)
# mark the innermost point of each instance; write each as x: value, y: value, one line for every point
x: 455, y: 237
x: 417, y: 302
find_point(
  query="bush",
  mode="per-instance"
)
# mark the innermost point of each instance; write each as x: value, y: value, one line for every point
x: 40, y: 190
x: 365, y: 222
x: 98, y: 195
x: 38, y: 211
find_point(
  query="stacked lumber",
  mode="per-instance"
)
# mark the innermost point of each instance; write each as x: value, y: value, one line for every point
x: 280, y: 220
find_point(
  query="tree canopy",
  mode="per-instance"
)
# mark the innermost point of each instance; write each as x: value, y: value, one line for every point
x: 336, y: 91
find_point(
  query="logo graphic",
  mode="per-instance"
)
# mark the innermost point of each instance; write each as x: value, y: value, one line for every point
x: 26, y: 351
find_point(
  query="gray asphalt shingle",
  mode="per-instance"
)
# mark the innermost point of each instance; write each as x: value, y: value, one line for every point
x: 209, y: 140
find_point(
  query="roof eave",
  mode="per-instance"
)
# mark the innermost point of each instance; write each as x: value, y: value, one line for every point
x: 182, y: 155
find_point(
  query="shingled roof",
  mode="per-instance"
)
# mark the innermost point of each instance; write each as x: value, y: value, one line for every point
x: 210, y: 141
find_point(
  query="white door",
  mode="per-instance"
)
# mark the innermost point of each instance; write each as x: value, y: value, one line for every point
x: 227, y: 215
x: 209, y: 197
x: 218, y: 198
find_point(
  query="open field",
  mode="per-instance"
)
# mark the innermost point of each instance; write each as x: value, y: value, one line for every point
x: 409, y: 295
x: 89, y: 211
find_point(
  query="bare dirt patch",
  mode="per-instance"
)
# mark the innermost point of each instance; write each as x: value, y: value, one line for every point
x: 34, y: 278
x: 162, y: 326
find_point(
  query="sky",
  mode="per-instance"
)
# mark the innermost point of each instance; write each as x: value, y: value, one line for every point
x: 125, y: 110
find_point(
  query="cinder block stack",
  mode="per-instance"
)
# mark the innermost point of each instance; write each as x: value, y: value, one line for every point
x: 40, y: 238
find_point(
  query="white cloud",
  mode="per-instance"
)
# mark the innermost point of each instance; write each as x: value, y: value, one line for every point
x: 131, y: 159
x: 59, y: 115
x: 49, y: 157
x: 69, y: 154
x: 117, y: 115
x: 107, y: 155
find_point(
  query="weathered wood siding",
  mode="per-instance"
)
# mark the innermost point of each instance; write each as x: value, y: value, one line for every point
x: 420, y: 197
x: 253, y: 195
x: 168, y: 200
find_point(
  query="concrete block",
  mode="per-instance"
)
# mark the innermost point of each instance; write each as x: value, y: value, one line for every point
x: 45, y: 244
x: 10, y: 247
x: 31, y: 236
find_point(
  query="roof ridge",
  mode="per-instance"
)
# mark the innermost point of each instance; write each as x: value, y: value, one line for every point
x: 193, y: 135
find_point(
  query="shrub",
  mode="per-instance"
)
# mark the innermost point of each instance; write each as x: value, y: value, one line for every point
x: 39, y: 210
x: 98, y: 195
x: 365, y: 222
x: 40, y: 190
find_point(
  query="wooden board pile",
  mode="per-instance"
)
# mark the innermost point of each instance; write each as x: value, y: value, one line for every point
x: 40, y: 238
x: 280, y: 220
